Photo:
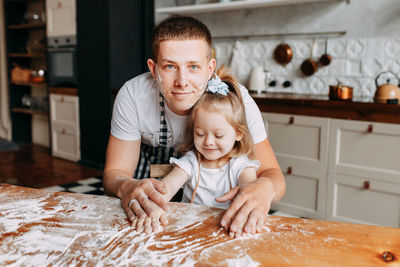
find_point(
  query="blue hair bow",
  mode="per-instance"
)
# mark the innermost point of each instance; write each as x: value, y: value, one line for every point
x: 216, y: 86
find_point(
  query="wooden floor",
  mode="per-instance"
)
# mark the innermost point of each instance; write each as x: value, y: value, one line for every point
x: 33, y: 166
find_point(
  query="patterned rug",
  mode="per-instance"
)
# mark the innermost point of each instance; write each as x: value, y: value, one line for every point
x: 93, y: 186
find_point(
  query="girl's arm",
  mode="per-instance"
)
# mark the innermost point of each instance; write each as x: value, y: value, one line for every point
x: 173, y: 181
x: 248, y: 175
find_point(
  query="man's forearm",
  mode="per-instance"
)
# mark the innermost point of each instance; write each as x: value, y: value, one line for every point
x: 277, y: 180
x: 113, y: 180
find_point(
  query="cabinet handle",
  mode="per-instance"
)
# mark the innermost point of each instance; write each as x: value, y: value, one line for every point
x: 289, y: 170
x: 291, y: 120
x: 63, y: 131
x: 62, y: 99
x: 370, y: 128
x: 366, y: 185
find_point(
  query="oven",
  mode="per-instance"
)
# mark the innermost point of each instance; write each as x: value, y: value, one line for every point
x: 62, y: 61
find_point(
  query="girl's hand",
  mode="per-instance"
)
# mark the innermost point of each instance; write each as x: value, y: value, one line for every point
x: 151, y: 223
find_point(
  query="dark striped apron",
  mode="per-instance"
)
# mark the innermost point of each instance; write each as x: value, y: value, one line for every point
x: 155, y: 155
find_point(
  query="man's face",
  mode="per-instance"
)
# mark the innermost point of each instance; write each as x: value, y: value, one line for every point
x: 182, y: 72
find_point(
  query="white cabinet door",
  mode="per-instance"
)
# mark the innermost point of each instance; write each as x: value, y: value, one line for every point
x: 300, y: 144
x: 65, y: 142
x: 61, y: 17
x: 365, y: 149
x: 65, y: 133
x: 65, y: 109
x: 363, y: 200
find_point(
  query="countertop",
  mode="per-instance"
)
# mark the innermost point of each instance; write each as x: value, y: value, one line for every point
x: 358, y: 108
x: 44, y: 228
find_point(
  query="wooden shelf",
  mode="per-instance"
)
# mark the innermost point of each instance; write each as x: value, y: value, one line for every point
x: 29, y: 84
x: 21, y: 1
x: 27, y: 26
x: 30, y: 111
x: 235, y: 5
x: 26, y: 55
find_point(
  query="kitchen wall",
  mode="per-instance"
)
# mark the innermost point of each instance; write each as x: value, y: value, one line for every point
x: 370, y: 45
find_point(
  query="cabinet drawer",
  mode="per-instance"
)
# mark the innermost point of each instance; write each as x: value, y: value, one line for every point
x: 65, y: 142
x: 64, y: 109
x: 301, y: 141
x: 304, y: 197
x: 366, y: 201
x: 365, y: 149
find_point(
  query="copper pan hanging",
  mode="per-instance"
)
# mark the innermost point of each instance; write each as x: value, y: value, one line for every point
x: 283, y: 54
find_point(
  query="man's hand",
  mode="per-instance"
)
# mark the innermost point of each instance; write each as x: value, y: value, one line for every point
x: 249, y: 208
x: 139, y: 197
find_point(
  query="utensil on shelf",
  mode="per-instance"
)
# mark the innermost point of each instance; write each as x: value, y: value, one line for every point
x: 325, y: 59
x: 283, y: 54
x: 340, y: 92
x: 387, y: 88
x: 309, y: 66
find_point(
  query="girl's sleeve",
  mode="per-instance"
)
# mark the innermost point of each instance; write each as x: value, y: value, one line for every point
x: 243, y: 162
x: 187, y: 162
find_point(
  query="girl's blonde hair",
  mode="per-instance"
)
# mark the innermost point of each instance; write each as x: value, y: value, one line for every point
x: 232, y: 108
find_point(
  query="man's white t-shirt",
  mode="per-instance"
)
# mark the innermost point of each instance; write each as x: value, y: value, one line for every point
x: 213, y: 182
x: 136, y: 114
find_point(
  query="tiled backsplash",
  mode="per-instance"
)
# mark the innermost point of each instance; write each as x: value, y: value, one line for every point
x: 356, y: 62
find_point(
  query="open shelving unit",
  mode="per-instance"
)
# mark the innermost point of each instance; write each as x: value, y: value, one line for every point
x: 233, y: 5
x: 21, y: 31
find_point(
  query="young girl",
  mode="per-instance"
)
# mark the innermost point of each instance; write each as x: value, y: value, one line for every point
x: 216, y: 151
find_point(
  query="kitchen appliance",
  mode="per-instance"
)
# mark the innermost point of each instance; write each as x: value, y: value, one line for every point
x: 62, y: 62
x: 387, y: 88
x: 257, y: 80
x: 340, y: 92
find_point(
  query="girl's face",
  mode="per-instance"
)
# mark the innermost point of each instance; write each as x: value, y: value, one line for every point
x: 182, y: 72
x: 214, y: 137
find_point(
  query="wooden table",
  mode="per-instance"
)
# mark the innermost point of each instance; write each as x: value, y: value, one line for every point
x: 42, y: 228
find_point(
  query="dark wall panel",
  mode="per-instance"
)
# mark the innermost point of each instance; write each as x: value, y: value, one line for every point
x: 113, y: 36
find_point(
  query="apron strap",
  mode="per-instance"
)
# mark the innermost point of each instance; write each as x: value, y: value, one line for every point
x: 155, y: 155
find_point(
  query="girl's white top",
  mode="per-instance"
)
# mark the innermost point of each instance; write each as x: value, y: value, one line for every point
x: 213, y: 182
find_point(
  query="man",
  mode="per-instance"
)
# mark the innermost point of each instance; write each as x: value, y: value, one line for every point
x: 149, y: 121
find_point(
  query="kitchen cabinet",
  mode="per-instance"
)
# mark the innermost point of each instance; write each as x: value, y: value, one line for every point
x: 300, y: 144
x: 338, y: 169
x: 364, y: 172
x: 61, y: 18
x: 28, y: 91
x: 65, y: 131
x: 233, y: 5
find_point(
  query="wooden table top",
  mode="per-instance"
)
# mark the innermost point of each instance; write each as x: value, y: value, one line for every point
x: 43, y: 228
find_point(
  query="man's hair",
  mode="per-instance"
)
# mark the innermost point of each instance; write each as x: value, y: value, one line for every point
x: 232, y: 108
x: 179, y: 28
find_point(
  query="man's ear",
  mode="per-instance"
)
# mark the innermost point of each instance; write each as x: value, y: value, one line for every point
x: 152, y: 67
x: 211, y: 67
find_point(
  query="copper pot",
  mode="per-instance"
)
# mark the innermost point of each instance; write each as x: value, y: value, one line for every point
x: 283, y: 54
x: 340, y: 92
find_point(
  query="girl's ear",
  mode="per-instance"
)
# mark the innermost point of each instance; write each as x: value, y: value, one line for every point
x: 239, y: 137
